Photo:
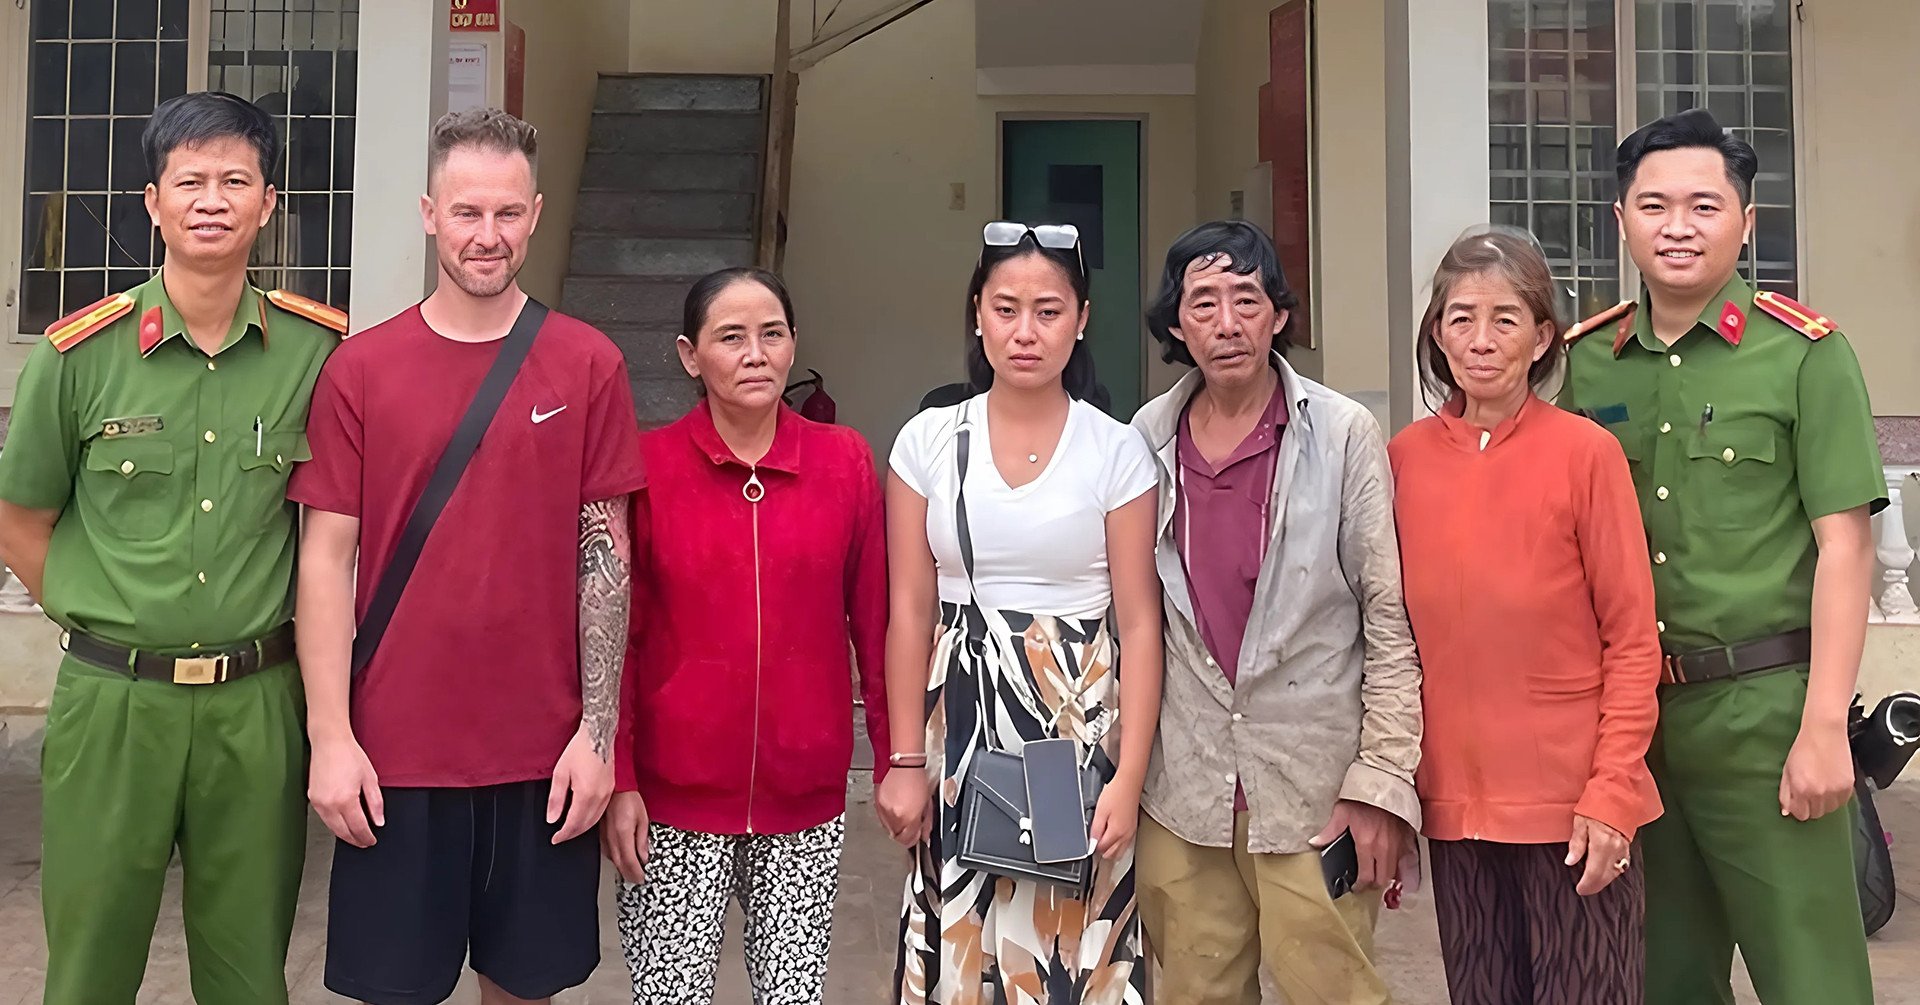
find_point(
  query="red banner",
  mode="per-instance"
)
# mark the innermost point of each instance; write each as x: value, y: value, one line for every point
x: 474, y: 15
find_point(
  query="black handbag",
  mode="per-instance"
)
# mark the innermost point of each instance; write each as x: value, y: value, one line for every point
x: 1883, y: 742
x: 1872, y: 860
x: 996, y: 818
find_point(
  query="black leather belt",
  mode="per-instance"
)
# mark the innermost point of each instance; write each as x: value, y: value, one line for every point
x: 213, y: 666
x: 1723, y: 662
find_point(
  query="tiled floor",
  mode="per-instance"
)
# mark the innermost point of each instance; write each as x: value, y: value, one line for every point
x: 864, y: 923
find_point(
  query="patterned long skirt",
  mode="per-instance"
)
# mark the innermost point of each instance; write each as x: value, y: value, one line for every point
x: 972, y: 938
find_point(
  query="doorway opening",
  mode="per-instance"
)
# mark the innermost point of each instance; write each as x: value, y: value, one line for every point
x: 1087, y: 172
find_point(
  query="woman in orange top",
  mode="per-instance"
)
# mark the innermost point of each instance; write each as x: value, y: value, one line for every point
x: 1531, y: 601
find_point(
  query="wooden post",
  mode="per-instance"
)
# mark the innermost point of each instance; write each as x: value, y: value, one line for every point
x: 776, y: 166
x: 790, y: 103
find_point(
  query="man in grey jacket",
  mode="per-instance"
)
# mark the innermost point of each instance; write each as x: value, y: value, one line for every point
x: 1291, y: 712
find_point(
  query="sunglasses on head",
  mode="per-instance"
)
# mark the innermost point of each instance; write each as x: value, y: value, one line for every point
x: 1057, y: 236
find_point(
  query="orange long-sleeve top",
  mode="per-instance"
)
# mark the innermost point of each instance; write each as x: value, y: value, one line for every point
x: 1531, y: 600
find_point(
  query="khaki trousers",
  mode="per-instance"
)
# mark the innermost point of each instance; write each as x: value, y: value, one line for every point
x: 1214, y: 915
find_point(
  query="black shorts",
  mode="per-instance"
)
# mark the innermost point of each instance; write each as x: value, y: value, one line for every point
x: 457, y: 871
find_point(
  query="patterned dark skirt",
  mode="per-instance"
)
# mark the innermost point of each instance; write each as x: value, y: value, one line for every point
x: 971, y: 938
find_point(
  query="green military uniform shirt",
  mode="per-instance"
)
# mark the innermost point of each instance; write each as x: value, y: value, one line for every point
x: 1739, y: 434
x: 169, y: 467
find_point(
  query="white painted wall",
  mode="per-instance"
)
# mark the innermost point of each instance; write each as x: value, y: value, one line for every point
x: 1069, y: 32
x: 1860, y: 205
x: 877, y: 259
x: 712, y: 36
x: 402, y: 89
x: 1436, y: 52
x: 1350, y: 172
x: 568, y: 46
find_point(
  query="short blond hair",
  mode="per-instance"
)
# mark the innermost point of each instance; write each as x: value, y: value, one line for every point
x: 486, y: 128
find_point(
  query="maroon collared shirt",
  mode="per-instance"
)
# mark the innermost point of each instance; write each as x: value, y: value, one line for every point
x: 1220, y: 527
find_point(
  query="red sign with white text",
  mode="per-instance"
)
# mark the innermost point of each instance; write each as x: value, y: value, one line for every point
x: 474, y: 15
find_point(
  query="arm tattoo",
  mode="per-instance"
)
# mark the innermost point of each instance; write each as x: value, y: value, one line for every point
x: 606, y: 565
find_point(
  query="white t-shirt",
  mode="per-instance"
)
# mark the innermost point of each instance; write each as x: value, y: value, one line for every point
x: 1040, y: 548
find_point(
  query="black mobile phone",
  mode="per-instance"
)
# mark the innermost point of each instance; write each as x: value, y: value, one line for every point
x: 1054, y: 801
x: 1340, y: 864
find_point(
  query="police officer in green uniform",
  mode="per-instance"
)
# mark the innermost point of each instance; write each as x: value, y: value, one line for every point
x: 1745, y: 418
x: 142, y: 501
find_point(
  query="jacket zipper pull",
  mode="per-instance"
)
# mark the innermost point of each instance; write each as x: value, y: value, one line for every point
x: 753, y: 490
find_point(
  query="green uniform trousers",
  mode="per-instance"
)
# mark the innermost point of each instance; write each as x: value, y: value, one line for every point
x: 129, y: 769
x: 1725, y: 868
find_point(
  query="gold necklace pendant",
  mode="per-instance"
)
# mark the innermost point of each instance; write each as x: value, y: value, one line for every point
x: 753, y: 490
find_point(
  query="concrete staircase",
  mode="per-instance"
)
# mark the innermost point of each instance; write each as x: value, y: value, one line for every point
x: 670, y: 191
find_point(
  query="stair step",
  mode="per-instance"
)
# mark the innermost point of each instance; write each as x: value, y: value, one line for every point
x: 664, y: 92
x: 660, y: 400
x: 606, y: 301
x: 600, y: 255
x: 649, y: 349
x: 671, y: 172
x: 676, y: 132
x: 659, y: 213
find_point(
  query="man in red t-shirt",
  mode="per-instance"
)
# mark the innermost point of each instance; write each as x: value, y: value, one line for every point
x: 462, y: 766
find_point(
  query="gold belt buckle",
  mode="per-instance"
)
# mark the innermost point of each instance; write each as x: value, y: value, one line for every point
x: 200, y: 670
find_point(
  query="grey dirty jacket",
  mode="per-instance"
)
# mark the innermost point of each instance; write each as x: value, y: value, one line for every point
x: 1327, y: 700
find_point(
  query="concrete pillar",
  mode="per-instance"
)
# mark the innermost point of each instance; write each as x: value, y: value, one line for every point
x: 1437, y: 163
x: 402, y: 89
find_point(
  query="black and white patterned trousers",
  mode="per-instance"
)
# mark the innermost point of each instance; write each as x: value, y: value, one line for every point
x: 671, y: 926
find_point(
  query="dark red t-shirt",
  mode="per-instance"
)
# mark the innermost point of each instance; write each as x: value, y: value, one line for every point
x: 477, y: 680
x: 1217, y: 513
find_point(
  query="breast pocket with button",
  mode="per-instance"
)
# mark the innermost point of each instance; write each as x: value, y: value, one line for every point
x: 1737, y: 477
x: 262, y: 495
x: 128, y: 490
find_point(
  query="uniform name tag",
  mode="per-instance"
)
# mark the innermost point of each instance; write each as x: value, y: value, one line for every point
x: 131, y: 426
x: 1609, y: 414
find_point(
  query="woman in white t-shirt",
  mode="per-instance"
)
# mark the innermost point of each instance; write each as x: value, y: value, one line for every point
x: 1061, y: 513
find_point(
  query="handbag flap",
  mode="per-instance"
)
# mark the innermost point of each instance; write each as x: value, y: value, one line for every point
x: 1001, y: 779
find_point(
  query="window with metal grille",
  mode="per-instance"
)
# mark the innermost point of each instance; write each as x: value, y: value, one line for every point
x: 1735, y: 57
x: 297, y: 59
x: 1557, y: 112
x: 1553, y: 119
x: 95, y: 70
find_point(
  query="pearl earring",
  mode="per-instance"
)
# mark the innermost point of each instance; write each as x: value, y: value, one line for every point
x: 976, y: 333
x: 1082, y: 337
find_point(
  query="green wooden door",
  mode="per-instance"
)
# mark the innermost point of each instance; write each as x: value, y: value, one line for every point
x: 1087, y: 172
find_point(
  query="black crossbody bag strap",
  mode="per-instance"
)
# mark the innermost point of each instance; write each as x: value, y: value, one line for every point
x: 446, y: 476
x: 962, y: 450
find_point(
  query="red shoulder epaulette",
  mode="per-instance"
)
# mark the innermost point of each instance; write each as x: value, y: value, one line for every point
x: 1621, y: 311
x: 312, y: 310
x: 1795, y: 315
x: 71, y: 330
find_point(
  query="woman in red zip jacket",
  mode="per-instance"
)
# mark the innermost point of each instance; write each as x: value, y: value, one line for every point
x: 759, y: 565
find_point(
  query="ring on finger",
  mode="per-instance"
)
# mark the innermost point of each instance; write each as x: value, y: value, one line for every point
x: 1621, y: 866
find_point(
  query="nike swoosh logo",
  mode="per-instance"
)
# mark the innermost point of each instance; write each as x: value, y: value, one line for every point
x: 539, y: 416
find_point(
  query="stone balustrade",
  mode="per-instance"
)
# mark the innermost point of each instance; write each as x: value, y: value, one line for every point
x: 1896, y: 536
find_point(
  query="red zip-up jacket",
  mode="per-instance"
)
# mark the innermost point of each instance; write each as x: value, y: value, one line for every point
x: 737, y: 705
